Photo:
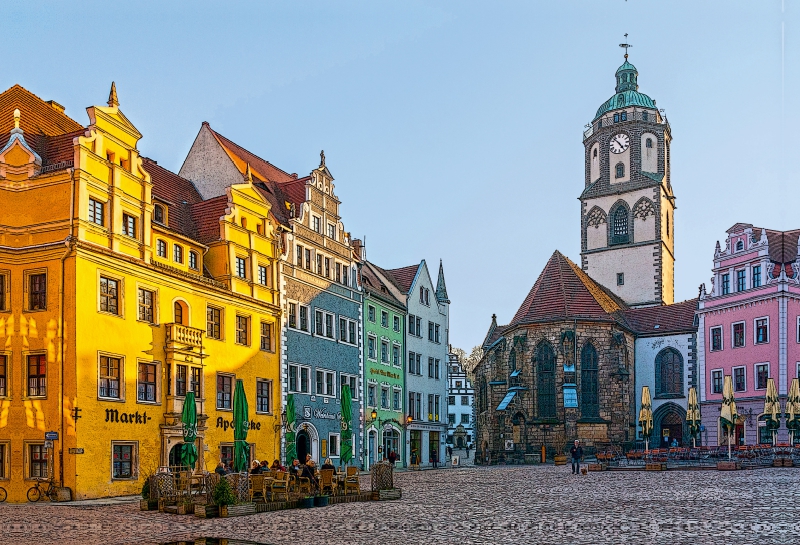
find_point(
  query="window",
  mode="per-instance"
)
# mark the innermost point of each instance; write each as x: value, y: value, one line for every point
x: 465, y: 400
x: 739, y: 245
x: 266, y: 336
x: 332, y: 231
x: 762, y: 374
x: 307, y: 254
x: 3, y: 379
x: 226, y: 454
x: 37, y: 461
x: 740, y: 280
x: 546, y: 381
x: 716, y: 338
x: 333, y: 445
x: 326, y: 383
x: 430, y: 367
x: 436, y: 333
x: 669, y: 373
x: 178, y: 312
x: 193, y: 260
x: 316, y: 224
x: 619, y: 171
x: 644, y: 118
x: 303, y: 318
x: 123, y: 464
x: 158, y: 213
x: 726, y: 284
x: 146, y: 390
x: 323, y: 324
x: 384, y: 398
x: 146, y: 305
x: 242, y: 330
x: 292, y: 315
x: 37, y: 375
x: 299, y: 379
x: 738, y: 335
x: 371, y: 395
x: 319, y: 264
x: 430, y: 407
x: 241, y: 267
x: 214, y: 323
x: 757, y: 276
x: 590, y: 392
x: 619, y: 233
x: 430, y: 331
x: 352, y: 382
x: 384, y: 352
x: 716, y: 381
x: 4, y: 454
x: 128, y: 225
x: 411, y: 329
x: 96, y: 211
x: 299, y: 250
x: 371, y: 313
x: 194, y: 383
x: 419, y: 364
x: 338, y: 273
x: 396, y: 323
x: 384, y: 318
x: 110, y: 378
x: 464, y: 418
x: 739, y: 381
x: 181, y: 379
x: 4, y: 285
x: 762, y: 330
x: 649, y: 142
x: 347, y: 331
x: 37, y: 291
x: 623, y: 116
x: 427, y: 297
x: 109, y: 298
x: 594, y: 153
x: 161, y: 248
x: 344, y: 275
x: 620, y: 279
x: 451, y: 419
x: 327, y: 267
x: 396, y: 400
x: 224, y: 391
x: 371, y: 348
x: 396, y: 355
x: 616, y: 116
x: 263, y: 396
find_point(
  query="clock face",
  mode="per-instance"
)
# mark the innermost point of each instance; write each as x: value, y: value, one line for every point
x: 619, y: 143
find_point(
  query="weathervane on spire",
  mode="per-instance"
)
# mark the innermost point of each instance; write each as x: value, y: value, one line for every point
x: 626, y: 45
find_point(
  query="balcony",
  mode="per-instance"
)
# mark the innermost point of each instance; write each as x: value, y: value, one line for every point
x: 179, y: 334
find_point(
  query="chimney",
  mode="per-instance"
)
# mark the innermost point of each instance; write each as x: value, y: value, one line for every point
x: 56, y: 106
x: 357, y: 247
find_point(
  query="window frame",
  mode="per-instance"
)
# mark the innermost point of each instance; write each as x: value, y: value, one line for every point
x: 327, y: 327
x: 116, y: 298
x: 396, y: 322
x: 134, y: 445
x: 352, y: 381
x: 733, y: 377
x: 28, y: 277
x: 29, y: 462
x: 325, y: 391
x: 334, y: 439
x: 156, y: 382
x: 385, y: 357
x: 93, y: 213
x: 194, y: 261
x: 263, y: 277
x: 129, y: 221
x: 270, y: 396
x: 270, y: 335
x: 152, y: 308
x: 5, y: 460
x: 160, y: 220
x: 756, y: 367
x: 741, y: 279
x: 240, y: 267
x: 721, y: 380
x: 743, y: 336
x: 721, y: 338
x: 220, y: 324
x: 120, y: 377
x: 372, y: 347
x: 298, y: 378
x: 725, y: 284
x: 177, y: 253
x: 5, y: 290
x: 217, y: 393
x: 371, y: 313
x: 27, y: 358
x: 755, y: 276
x: 668, y: 376
x: 161, y: 248
x: 242, y: 319
x: 756, y: 329
x: 5, y: 376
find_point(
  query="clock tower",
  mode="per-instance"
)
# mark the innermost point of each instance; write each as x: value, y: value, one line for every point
x: 627, y: 205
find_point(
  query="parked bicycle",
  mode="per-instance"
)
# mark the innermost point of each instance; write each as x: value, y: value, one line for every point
x: 3, y: 494
x: 43, y: 488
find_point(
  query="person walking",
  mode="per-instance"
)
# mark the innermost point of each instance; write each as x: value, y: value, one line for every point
x: 434, y: 457
x: 577, y: 453
x: 468, y: 446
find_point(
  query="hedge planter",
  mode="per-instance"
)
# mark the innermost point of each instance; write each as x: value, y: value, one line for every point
x: 728, y: 466
x: 657, y: 466
x: 206, y: 511
x: 305, y: 503
x: 560, y: 459
x: 148, y: 505
x: 185, y: 508
x: 384, y: 495
x: 237, y: 510
x: 320, y: 501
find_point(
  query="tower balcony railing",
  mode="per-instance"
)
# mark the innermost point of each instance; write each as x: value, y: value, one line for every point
x: 615, y: 117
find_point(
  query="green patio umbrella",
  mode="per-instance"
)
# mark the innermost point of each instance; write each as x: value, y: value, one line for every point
x: 772, y: 409
x: 189, y: 425
x: 291, y: 446
x: 728, y: 414
x: 347, y: 422
x: 241, y: 420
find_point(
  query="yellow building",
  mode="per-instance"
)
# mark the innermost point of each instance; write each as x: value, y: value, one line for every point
x: 121, y: 289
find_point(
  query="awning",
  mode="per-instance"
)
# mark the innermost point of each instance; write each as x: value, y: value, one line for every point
x: 516, y: 373
x: 506, y: 400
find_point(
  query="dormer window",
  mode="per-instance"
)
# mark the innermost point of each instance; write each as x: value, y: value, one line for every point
x: 158, y: 213
x: 739, y: 245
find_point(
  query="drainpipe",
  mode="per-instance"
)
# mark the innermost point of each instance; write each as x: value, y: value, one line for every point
x: 68, y: 243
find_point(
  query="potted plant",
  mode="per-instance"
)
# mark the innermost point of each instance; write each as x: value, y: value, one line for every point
x: 223, y: 496
x: 306, y: 502
x: 147, y: 503
x: 185, y: 507
x: 560, y: 458
x: 320, y: 500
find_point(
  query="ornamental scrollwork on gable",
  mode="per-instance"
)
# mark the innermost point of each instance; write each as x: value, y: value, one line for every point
x: 596, y: 217
x: 643, y: 208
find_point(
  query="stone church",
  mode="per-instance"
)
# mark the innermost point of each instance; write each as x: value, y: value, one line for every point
x: 572, y: 361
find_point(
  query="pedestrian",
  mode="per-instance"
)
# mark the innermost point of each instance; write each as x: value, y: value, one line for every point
x: 414, y: 458
x: 392, y: 457
x: 468, y: 445
x: 434, y: 457
x: 577, y: 453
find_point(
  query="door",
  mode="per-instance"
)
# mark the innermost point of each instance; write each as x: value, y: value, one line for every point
x: 371, y: 448
x: 671, y: 429
x: 303, y: 446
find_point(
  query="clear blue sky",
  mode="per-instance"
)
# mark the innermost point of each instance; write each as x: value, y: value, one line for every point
x: 453, y: 128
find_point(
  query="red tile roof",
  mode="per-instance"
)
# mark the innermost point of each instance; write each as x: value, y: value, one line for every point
x: 403, y: 277
x: 179, y: 193
x: 564, y: 291
x: 375, y: 286
x: 37, y: 116
x: 205, y: 216
x: 675, y: 318
x: 261, y: 167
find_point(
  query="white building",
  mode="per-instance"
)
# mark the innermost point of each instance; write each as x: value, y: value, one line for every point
x: 460, y: 400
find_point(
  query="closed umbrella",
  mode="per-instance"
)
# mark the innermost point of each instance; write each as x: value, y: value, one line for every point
x: 728, y: 414
x: 693, y: 414
x: 646, y: 416
x: 793, y: 408
x: 291, y: 446
x: 241, y: 421
x: 189, y: 425
x: 772, y: 408
x: 347, y: 422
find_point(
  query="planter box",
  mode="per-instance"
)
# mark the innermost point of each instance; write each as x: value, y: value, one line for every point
x: 658, y: 466
x: 560, y: 460
x: 598, y: 467
x: 320, y: 501
x: 788, y: 462
x: 185, y: 508
x: 148, y: 505
x: 532, y: 458
x: 385, y: 495
x: 206, y: 511
x: 237, y: 510
x: 728, y: 466
x: 305, y: 503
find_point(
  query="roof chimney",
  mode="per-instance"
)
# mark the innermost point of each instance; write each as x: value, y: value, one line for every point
x: 56, y: 106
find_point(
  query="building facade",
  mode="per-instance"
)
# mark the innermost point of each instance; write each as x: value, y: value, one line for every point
x: 119, y: 301
x: 749, y: 329
x: 426, y: 369
x: 384, y: 365
x: 460, y: 399
x: 320, y: 295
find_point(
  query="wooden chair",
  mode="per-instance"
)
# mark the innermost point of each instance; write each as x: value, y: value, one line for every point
x: 257, y: 487
x: 351, y: 480
x: 167, y: 491
x: 327, y: 482
x: 280, y: 485
x: 303, y: 483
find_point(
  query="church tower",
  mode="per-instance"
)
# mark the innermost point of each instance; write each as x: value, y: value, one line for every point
x: 627, y: 205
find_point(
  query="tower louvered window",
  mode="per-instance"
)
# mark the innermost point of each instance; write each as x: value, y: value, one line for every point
x: 546, y: 384
x: 590, y: 398
x: 620, y: 226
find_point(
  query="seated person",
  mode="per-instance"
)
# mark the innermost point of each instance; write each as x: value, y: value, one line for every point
x: 308, y: 473
x: 256, y: 469
x: 220, y: 469
x: 276, y: 466
x: 329, y: 465
x: 296, y: 469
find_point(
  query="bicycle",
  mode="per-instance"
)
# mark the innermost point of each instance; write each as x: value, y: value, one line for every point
x: 3, y: 494
x: 46, y: 488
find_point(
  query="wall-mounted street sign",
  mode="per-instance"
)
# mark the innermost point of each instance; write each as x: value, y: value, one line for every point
x: 48, y: 444
x: 51, y: 436
x: 76, y: 451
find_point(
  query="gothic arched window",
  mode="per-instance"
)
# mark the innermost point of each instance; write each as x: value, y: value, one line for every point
x: 483, y: 399
x: 594, y: 153
x: 546, y: 384
x: 619, y: 233
x: 669, y: 373
x: 512, y: 361
x: 620, y: 170
x: 648, y: 143
x: 590, y: 393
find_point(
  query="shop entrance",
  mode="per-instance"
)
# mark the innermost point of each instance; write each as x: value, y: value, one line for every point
x: 671, y: 429
x: 303, y: 446
x: 416, y: 447
x: 433, y: 446
x: 391, y: 442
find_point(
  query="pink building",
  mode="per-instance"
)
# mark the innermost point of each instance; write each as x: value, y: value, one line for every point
x: 749, y: 328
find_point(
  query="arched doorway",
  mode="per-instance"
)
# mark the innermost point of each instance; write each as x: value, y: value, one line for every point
x: 303, y: 445
x: 391, y: 442
x: 669, y: 421
x: 174, y: 461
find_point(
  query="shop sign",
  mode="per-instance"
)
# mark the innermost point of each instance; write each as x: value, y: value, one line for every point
x: 324, y: 414
x: 226, y: 424
x: 384, y: 373
x: 76, y: 451
x: 116, y: 417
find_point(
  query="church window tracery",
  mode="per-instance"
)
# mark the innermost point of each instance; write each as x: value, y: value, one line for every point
x: 546, y: 374
x: 590, y: 398
x: 644, y: 208
x: 669, y: 373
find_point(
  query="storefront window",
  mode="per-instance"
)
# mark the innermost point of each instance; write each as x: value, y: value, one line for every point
x: 38, y: 461
x: 123, y: 461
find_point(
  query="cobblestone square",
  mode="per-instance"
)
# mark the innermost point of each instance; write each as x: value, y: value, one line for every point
x: 521, y: 504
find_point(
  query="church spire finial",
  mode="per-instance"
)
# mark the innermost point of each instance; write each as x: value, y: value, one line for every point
x: 625, y: 46
x: 113, y: 101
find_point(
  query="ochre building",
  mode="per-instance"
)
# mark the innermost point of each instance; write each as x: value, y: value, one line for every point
x: 122, y: 289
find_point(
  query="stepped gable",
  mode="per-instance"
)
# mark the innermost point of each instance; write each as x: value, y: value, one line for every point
x: 662, y: 320
x: 38, y: 116
x: 179, y: 194
x: 403, y: 277
x: 263, y: 168
x: 564, y: 291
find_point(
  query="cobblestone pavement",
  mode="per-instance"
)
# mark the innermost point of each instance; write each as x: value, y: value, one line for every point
x: 472, y: 505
